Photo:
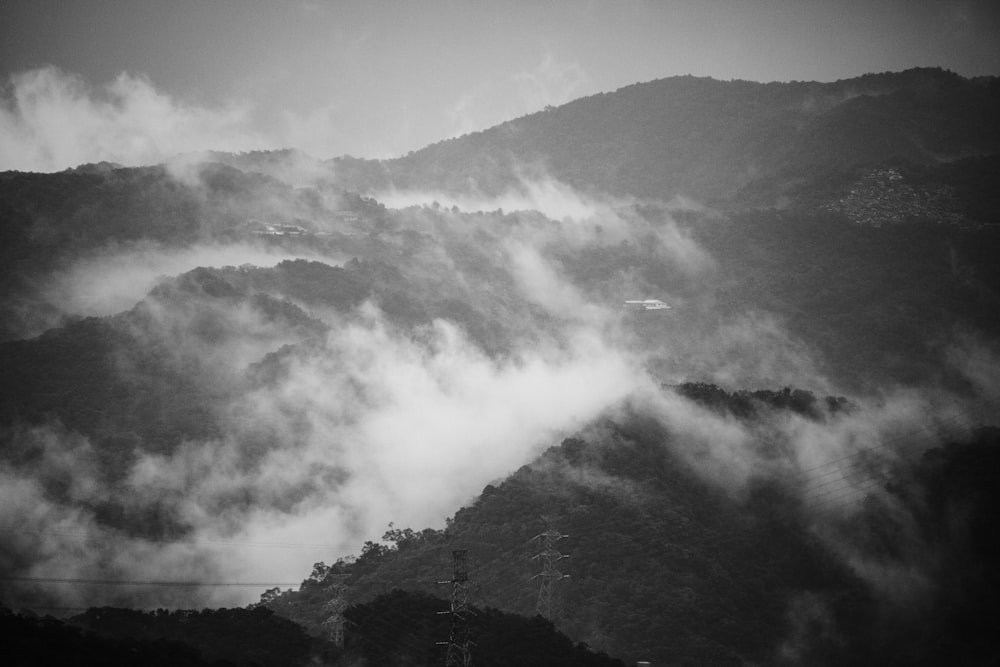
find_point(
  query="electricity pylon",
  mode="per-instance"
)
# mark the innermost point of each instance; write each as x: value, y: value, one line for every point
x: 335, y: 607
x: 458, y: 643
x: 550, y: 574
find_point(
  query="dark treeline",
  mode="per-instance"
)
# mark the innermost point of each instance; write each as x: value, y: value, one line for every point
x: 119, y: 637
x: 747, y: 404
x: 399, y: 628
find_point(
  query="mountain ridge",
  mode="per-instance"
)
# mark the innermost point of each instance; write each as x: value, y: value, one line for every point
x: 708, y: 139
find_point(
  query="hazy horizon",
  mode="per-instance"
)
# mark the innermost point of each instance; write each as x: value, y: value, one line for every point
x: 139, y: 82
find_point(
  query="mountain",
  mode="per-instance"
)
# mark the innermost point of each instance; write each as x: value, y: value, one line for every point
x: 780, y: 298
x: 227, y: 367
x: 663, y: 566
x: 834, y: 281
x: 714, y: 141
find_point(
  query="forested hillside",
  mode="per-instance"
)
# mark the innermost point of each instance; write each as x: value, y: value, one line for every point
x: 664, y: 566
x: 224, y: 370
x: 712, y: 140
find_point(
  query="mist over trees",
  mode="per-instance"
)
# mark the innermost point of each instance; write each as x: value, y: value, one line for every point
x: 667, y: 568
x: 239, y: 367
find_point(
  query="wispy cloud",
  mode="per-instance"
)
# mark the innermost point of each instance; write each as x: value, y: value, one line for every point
x: 50, y: 120
x: 389, y: 419
x: 112, y: 280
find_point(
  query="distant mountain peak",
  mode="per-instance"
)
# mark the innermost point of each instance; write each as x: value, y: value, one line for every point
x: 709, y: 139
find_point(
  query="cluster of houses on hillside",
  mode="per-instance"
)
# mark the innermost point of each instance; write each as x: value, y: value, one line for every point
x: 256, y: 227
x: 884, y: 197
x: 265, y: 229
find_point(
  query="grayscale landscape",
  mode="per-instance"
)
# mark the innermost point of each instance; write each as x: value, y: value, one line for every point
x: 531, y: 334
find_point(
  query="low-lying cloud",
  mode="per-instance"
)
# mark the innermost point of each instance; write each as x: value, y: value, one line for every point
x: 405, y: 420
x: 843, y: 470
x: 114, y: 279
x: 51, y: 120
x: 375, y: 426
x: 548, y: 196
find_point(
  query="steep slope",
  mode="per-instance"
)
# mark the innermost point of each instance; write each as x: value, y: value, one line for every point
x: 663, y: 565
x: 666, y: 566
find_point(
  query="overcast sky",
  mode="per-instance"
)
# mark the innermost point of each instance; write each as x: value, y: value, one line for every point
x: 89, y: 79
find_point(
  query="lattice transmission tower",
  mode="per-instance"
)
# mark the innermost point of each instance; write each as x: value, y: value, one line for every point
x: 549, y: 556
x: 335, y: 606
x: 459, y: 654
